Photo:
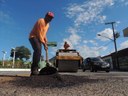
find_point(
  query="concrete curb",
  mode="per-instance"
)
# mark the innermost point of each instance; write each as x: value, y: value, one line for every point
x: 12, y: 69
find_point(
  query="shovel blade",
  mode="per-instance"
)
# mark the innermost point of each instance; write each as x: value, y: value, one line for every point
x: 48, y: 70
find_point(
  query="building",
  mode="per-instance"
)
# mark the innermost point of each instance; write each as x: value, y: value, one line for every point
x: 122, y: 56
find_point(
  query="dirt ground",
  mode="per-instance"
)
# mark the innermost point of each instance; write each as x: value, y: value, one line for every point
x: 69, y: 85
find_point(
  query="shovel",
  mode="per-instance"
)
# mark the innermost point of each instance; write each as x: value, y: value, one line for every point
x: 49, y: 69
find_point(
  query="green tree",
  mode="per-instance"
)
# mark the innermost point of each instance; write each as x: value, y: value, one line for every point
x: 21, y: 53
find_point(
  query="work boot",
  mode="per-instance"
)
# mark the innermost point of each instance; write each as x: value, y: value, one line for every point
x: 34, y: 72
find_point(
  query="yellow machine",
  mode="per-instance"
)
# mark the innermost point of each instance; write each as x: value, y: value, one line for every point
x: 68, y: 60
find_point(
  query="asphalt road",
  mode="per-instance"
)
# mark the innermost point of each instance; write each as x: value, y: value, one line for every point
x: 18, y: 83
x: 79, y: 73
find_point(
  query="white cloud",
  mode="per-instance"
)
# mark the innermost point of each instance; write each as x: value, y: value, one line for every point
x: 82, y: 14
x: 87, y: 51
x: 88, y: 11
x: 122, y: 0
x: 101, y: 48
x: 72, y: 30
x: 102, y: 19
x: 90, y: 41
x: 125, y: 2
x: 73, y: 38
x: 105, y: 35
x: 93, y: 42
x: 118, y: 22
x: 124, y: 45
x: 5, y: 17
x: 85, y: 41
x: 85, y: 13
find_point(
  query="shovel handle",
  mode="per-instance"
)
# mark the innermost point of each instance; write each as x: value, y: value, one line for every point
x: 46, y: 55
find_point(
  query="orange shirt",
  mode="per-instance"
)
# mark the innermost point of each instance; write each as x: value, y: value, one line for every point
x: 39, y: 30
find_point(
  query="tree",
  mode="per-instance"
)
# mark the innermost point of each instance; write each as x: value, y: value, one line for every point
x: 21, y: 52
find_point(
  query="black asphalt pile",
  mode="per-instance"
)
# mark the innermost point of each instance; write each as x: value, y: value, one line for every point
x: 46, y: 81
x: 69, y: 85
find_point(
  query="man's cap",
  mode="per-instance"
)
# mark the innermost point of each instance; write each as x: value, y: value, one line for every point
x: 51, y: 14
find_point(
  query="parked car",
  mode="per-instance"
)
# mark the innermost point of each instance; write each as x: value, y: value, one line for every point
x: 95, y: 64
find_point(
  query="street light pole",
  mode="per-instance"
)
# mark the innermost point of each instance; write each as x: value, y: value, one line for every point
x: 4, y: 52
x: 114, y: 39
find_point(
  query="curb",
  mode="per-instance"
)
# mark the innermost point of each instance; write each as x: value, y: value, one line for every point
x: 11, y: 69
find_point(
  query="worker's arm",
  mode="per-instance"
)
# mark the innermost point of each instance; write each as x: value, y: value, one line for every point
x: 42, y: 29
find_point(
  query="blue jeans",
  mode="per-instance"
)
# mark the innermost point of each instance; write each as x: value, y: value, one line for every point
x: 37, y: 47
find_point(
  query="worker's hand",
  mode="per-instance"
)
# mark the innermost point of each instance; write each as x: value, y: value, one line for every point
x: 45, y: 47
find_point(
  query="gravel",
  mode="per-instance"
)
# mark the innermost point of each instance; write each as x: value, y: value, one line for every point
x: 69, y: 85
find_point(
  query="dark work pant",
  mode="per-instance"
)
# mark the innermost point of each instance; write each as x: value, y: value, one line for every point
x: 37, y: 47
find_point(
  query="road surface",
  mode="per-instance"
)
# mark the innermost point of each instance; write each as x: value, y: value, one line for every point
x: 18, y: 83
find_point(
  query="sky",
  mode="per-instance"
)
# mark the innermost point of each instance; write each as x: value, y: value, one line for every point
x: 76, y: 21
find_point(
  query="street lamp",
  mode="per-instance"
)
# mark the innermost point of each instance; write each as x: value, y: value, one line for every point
x: 14, y: 53
x: 105, y: 37
x: 4, y: 52
x: 114, y: 40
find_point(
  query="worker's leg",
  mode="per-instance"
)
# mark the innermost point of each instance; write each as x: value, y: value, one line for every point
x: 36, y: 45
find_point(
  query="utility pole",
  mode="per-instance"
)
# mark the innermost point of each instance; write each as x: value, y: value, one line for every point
x: 114, y: 40
x: 14, y: 53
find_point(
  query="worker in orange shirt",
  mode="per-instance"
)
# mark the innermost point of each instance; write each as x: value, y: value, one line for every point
x: 66, y: 45
x: 38, y: 37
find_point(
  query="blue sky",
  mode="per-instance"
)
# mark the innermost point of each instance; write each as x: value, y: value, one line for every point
x: 76, y: 21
